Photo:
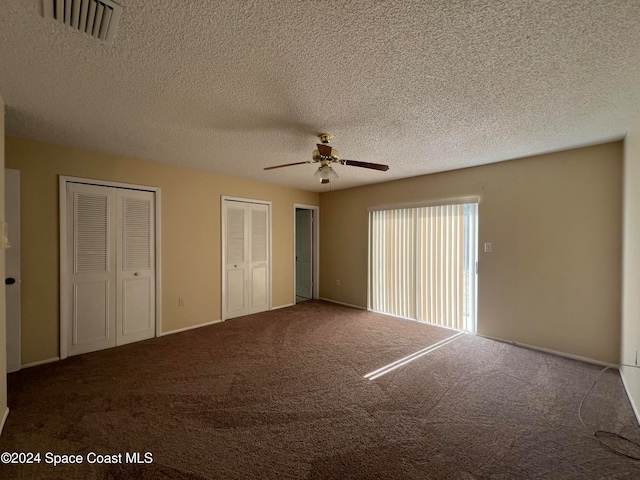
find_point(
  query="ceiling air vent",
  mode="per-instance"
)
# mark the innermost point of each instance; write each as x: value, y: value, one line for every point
x: 97, y: 18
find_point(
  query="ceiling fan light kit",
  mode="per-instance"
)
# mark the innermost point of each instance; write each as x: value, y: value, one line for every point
x: 325, y: 155
x: 325, y: 172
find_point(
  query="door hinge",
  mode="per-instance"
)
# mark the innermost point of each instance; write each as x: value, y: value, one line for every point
x: 476, y: 268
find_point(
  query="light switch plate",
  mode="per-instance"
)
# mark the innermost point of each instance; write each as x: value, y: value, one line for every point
x: 488, y: 247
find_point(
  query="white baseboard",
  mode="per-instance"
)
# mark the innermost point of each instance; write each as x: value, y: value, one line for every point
x: 633, y: 405
x: 184, y: 329
x: 4, y: 419
x: 552, y: 352
x: 283, y: 306
x: 342, y: 303
x: 41, y: 362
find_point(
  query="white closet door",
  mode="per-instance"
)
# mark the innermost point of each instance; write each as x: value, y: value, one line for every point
x: 136, y: 266
x: 259, y: 265
x: 110, y: 267
x: 91, y: 263
x: 246, y: 258
x: 235, y: 259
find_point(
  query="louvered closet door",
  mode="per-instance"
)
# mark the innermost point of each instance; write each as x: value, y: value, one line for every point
x: 136, y: 267
x: 111, y: 267
x: 246, y: 258
x: 259, y: 241
x: 236, y: 273
x: 91, y: 264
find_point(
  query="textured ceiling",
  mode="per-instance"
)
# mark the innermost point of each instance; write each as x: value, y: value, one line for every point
x: 233, y: 86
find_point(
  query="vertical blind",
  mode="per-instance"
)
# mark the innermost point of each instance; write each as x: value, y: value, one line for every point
x: 422, y: 264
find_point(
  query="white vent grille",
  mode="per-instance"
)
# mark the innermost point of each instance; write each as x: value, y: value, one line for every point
x: 97, y: 18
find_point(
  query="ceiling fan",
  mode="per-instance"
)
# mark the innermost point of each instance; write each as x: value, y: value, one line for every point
x: 325, y: 155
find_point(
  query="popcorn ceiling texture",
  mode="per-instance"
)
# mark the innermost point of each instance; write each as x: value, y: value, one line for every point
x: 232, y: 87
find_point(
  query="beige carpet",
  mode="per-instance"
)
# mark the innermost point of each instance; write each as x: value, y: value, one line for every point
x: 282, y: 394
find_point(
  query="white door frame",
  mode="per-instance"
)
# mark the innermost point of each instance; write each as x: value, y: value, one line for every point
x: 315, y: 240
x: 223, y: 231
x: 64, y: 284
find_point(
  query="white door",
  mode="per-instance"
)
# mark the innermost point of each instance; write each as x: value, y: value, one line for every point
x: 91, y: 266
x: 135, y: 275
x: 304, y: 236
x: 12, y: 258
x: 246, y: 237
x: 110, y: 267
x: 258, y: 240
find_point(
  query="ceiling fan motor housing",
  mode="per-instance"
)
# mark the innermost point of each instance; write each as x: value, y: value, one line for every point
x: 317, y: 157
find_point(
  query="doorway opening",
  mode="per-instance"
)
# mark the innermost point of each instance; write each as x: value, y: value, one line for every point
x: 305, y: 232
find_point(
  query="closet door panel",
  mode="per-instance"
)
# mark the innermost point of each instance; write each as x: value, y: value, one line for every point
x: 136, y: 266
x: 110, y: 267
x: 91, y: 258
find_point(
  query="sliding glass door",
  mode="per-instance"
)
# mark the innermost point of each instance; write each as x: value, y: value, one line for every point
x: 422, y: 263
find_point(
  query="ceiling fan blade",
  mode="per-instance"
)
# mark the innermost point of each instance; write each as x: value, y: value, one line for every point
x: 285, y: 165
x: 325, y: 150
x: 373, y: 166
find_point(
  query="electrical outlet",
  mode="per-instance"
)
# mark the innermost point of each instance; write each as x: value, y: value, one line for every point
x: 338, y: 283
x: 181, y: 302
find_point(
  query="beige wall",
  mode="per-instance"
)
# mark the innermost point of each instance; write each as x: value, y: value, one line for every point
x: 191, y: 250
x: 3, y: 327
x: 631, y: 265
x: 553, y: 279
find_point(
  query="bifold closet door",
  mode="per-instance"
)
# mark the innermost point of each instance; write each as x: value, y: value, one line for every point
x: 259, y: 258
x: 110, y: 267
x: 91, y: 267
x: 246, y: 258
x: 135, y: 274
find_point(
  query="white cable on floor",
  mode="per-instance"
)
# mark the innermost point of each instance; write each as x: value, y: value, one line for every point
x: 595, y: 433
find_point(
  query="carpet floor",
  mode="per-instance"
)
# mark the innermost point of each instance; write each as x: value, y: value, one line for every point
x: 282, y: 394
